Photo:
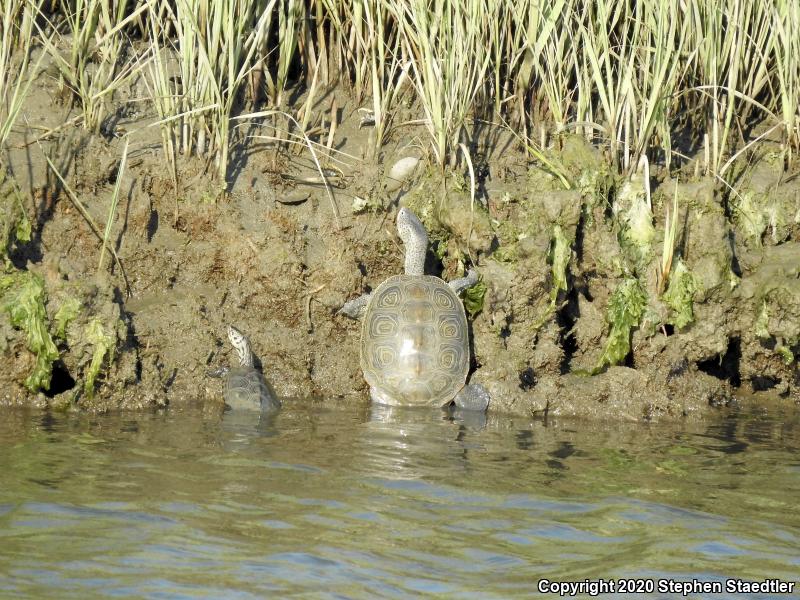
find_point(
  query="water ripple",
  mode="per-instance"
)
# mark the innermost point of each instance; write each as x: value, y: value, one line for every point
x: 337, y: 504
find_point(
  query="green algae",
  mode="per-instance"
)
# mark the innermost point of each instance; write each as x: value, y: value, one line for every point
x: 635, y: 218
x: 680, y: 295
x: 104, y: 346
x: 761, y: 325
x: 785, y: 353
x: 456, y: 223
x: 23, y: 297
x: 733, y: 279
x: 370, y: 203
x: 424, y: 200
x: 583, y: 166
x: 750, y: 217
x: 761, y: 329
x: 763, y: 210
x: 560, y: 254
x: 508, y: 235
x: 16, y: 226
x: 474, y: 297
x: 625, y: 309
x: 65, y: 314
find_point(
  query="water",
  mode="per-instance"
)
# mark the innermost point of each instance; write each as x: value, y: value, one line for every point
x: 361, y: 503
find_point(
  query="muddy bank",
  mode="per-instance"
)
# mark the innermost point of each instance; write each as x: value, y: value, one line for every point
x: 578, y: 317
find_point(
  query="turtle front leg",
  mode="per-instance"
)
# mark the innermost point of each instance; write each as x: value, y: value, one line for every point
x: 462, y: 283
x: 472, y: 397
x: 218, y: 372
x: 356, y: 308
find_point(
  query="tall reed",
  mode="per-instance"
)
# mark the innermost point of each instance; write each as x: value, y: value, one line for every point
x: 627, y: 74
x: 449, y: 53
x: 16, y: 71
x: 95, y: 66
x: 786, y: 24
x: 215, y: 51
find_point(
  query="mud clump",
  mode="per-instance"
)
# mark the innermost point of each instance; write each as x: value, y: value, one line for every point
x: 72, y: 329
x: 769, y: 328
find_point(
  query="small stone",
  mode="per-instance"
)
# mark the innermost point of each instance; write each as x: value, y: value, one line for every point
x: 295, y: 197
x: 359, y: 205
x: 400, y: 172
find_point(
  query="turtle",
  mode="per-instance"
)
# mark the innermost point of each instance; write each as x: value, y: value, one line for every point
x: 245, y: 386
x: 414, y: 336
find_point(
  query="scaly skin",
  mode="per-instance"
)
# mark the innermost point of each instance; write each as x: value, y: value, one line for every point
x: 242, y: 346
x: 415, y: 239
x: 356, y: 308
x: 459, y: 285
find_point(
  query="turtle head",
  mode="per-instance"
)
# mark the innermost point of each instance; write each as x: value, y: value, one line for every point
x: 415, y: 238
x: 242, y: 346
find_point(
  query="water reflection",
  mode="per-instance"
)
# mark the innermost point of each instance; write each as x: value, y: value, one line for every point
x: 381, y: 501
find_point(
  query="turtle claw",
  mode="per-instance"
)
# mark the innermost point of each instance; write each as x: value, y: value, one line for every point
x: 219, y: 372
x: 356, y: 308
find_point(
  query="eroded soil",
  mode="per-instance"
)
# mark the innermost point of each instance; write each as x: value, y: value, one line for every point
x: 272, y: 257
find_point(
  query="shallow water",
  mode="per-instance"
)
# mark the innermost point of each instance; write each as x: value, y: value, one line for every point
x: 361, y: 503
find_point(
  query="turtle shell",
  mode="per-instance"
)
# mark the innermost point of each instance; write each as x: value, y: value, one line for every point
x: 414, y: 341
x: 246, y: 388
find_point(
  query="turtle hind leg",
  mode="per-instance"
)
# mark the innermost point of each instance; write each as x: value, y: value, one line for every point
x: 462, y: 283
x: 356, y: 308
x: 378, y: 397
x: 270, y: 403
x: 472, y: 397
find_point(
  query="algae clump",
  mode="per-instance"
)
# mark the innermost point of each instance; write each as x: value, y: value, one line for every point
x: 559, y: 255
x: 762, y: 322
x: 65, y: 314
x: 508, y: 234
x: 474, y: 297
x: 625, y: 309
x: 785, y: 353
x: 761, y: 329
x: 680, y: 295
x: 635, y: 218
x: 15, y: 223
x: 23, y: 297
x: 103, y: 346
x: 751, y: 217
